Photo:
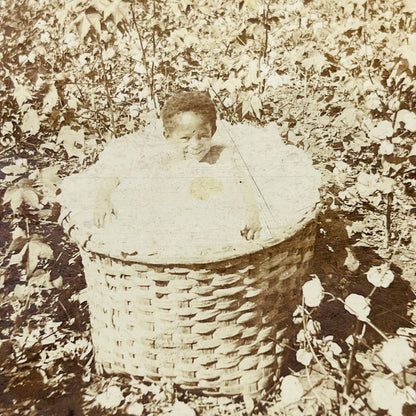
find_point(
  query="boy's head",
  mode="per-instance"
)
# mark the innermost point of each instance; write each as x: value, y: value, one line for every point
x: 189, y: 122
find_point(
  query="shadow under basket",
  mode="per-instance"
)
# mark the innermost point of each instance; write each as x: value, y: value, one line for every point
x: 215, y: 327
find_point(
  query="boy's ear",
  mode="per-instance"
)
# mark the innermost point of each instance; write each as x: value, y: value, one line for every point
x: 165, y: 134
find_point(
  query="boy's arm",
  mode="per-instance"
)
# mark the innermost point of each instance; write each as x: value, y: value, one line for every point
x: 103, y: 206
x: 253, y: 225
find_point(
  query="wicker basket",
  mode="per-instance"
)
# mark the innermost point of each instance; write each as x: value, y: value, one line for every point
x: 217, y: 327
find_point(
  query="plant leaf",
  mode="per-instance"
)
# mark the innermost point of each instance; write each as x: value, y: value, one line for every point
x: 37, y: 250
x: 316, y: 60
x: 31, y: 122
x: 83, y: 26
x: 291, y: 390
x: 21, y: 93
x: 51, y: 99
x: 409, y: 6
x: 95, y: 21
x: 14, y: 197
x: 358, y: 305
x: 30, y: 197
x: 118, y: 9
x: 256, y: 105
x: 110, y: 398
x: 19, y: 257
x: 351, y: 262
x: 73, y: 141
x: 408, y: 118
x: 313, y: 292
x: 383, y: 130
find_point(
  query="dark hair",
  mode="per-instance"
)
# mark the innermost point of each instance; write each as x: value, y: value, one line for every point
x: 198, y: 102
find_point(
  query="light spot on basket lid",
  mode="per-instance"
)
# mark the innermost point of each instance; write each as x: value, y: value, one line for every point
x: 203, y: 187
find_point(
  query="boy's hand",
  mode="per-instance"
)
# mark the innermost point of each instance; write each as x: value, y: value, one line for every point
x: 252, y: 229
x: 104, y: 209
x: 103, y: 212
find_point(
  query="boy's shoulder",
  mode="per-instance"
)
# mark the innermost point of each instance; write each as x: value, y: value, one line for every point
x: 214, y: 154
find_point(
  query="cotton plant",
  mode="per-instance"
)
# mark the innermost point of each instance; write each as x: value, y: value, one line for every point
x: 384, y: 387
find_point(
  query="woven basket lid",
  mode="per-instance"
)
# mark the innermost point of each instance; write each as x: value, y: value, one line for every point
x: 261, y: 153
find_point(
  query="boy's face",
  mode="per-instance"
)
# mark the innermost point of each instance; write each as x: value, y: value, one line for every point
x: 190, y: 135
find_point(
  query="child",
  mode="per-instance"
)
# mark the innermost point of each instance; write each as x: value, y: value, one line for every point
x: 189, y: 123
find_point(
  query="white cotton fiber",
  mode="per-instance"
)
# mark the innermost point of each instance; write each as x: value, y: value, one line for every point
x: 156, y: 212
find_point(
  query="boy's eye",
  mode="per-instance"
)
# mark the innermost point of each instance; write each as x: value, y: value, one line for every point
x: 184, y: 138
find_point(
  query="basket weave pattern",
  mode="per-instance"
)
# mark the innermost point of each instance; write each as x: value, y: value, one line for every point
x: 215, y: 327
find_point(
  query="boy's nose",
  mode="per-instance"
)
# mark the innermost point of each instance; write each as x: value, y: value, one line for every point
x: 195, y: 139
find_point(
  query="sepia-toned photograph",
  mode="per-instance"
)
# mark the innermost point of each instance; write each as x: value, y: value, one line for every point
x: 207, y: 207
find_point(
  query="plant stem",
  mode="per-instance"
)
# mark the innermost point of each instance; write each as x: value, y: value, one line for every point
x: 107, y: 88
x: 388, y: 219
x: 317, y: 360
x: 149, y: 72
x: 351, y: 359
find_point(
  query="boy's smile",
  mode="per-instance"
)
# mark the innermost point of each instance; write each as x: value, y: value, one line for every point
x: 191, y: 135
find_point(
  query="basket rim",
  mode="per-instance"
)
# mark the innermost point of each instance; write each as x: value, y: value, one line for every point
x: 88, y: 244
